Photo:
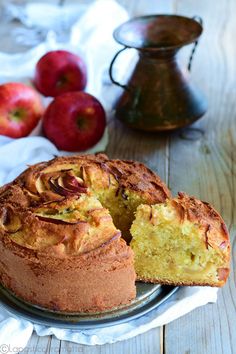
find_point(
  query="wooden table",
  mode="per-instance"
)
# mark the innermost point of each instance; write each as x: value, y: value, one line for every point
x: 200, y: 160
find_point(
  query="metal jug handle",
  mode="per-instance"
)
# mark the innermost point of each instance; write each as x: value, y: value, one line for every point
x: 136, y: 92
x: 199, y: 19
x: 125, y: 87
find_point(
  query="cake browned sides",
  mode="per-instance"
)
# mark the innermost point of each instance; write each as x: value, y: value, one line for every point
x: 180, y: 242
x: 60, y: 231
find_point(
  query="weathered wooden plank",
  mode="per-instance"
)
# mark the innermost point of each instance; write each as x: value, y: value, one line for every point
x: 31, y: 345
x: 205, y: 166
x: 150, y: 149
x: 148, y: 343
x: 142, y: 7
x: 38, y: 344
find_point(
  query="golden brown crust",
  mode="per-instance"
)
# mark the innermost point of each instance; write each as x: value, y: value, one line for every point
x: 178, y: 283
x: 202, y: 213
x: 94, y: 281
x: 136, y: 176
x: 128, y: 174
x: 213, y: 227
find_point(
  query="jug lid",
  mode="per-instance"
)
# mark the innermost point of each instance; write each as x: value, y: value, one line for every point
x: 158, y: 32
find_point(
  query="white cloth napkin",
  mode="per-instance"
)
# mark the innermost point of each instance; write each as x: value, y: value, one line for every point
x: 90, y: 36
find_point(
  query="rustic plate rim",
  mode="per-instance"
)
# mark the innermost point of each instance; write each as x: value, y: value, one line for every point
x: 68, y: 321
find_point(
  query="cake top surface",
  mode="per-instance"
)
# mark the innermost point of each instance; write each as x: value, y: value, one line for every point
x: 44, y: 182
x: 57, y: 202
x: 200, y: 212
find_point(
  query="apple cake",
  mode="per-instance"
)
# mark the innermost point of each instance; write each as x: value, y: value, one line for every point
x: 60, y: 231
x: 180, y: 242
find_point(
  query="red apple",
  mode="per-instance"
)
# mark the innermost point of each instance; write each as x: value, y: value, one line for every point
x: 74, y: 121
x: 20, y: 109
x: 58, y: 72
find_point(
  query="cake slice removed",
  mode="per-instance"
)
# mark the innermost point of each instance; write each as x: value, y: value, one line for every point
x: 181, y: 242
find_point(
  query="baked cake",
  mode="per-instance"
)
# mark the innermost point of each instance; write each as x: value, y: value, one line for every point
x: 60, y: 231
x: 180, y: 242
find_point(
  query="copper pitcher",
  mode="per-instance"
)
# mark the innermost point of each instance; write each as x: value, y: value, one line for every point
x: 158, y: 95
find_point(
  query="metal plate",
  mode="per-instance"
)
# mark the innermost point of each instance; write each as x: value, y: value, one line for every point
x: 149, y: 296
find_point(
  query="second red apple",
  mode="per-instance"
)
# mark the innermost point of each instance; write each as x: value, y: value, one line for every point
x: 60, y: 71
x: 74, y: 121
